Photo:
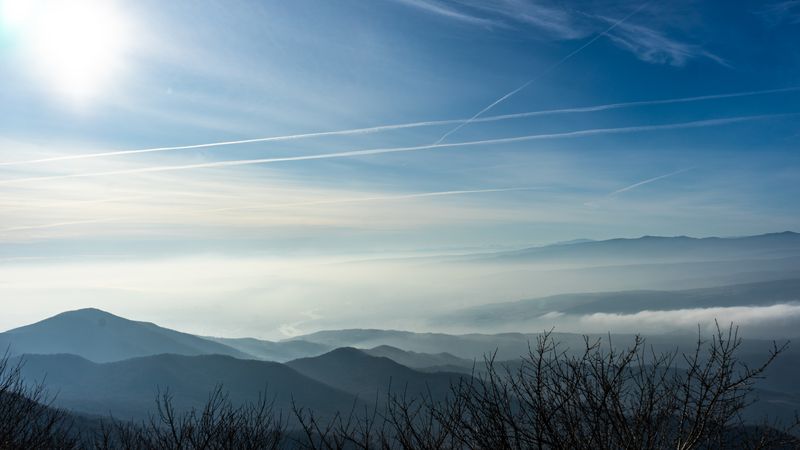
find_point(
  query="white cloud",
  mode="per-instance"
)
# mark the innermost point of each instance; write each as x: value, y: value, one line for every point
x: 553, y: 19
x: 441, y: 9
x: 655, y: 46
x: 641, y: 37
x: 786, y: 10
x: 774, y: 319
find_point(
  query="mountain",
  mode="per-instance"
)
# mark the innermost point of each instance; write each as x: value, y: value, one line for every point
x: 440, y: 362
x: 370, y: 377
x: 274, y: 351
x: 626, y: 302
x: 127, y: 389
x: 417, y: 360
x: 655, y: 249
x: 103, y: 337
x: 571, y: 241
x: 509, y: 346
x: 326, y: 383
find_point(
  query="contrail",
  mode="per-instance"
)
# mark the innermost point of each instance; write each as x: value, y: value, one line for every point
x: 595, y: 108
x: 635, y: 185
x: 381, y: 128
x: 371, y: 199
x: 379, y: 151
x: 540, y: 75
x: 648, y: 181
x: 236, y: 142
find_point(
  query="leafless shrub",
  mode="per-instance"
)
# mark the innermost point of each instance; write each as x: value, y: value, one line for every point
x: 597, y: 397
x: 218, y: 425
x: 27, y: 420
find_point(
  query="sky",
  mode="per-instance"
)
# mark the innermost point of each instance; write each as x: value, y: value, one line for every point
x: 163, y: 156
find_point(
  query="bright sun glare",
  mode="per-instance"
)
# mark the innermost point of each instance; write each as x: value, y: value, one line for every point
x: 76, y: 46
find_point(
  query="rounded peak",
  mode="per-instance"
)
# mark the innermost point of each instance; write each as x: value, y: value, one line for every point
x: 388, y: 348
x: 651, y: 237
x: 346, y: 351
x: 87, y: 312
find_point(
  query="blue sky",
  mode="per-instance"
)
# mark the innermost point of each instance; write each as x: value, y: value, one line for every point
x: 183, y: 73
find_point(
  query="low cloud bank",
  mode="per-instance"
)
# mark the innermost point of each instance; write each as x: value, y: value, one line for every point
x: 773, y: 321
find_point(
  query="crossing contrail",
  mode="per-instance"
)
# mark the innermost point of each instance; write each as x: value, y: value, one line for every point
x: 379, y: 151
x: 540, y: 75
x: 382, y: 128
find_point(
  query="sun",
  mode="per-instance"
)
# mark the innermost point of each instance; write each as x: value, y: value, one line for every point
x: 76, y: 47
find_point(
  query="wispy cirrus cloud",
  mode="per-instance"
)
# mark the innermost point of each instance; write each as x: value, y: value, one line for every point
x: 131, y: 212
x: 780, y: 12
x: 549, y: 18
x: 553, y: 19
x: 646, y: 38
x: 657, y: 47
x: 442, y: 9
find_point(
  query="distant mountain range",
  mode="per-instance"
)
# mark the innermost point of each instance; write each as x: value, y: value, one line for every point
x: 101, y: 337
x: 465, y: 347
x: 127, y: 389
x: 371, y: 377
x: 99, y: 363
x: 417, y: 360
x: 274, y: 351
x: 654, y: 249
x: 334, y: 381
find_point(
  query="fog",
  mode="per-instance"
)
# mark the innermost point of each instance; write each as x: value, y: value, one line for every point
x: 276, y: 298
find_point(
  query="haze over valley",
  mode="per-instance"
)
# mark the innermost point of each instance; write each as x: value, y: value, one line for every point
x: 399, y: 224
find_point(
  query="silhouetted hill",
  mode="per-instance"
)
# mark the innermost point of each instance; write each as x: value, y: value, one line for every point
x: 657, y: 249
x: 102, y: 337
x: 466, y: 346
x: 627, y: 302
x: 274, y: 351
x: 370, y: 377
x: 127, y: 389
x: 417, y: 360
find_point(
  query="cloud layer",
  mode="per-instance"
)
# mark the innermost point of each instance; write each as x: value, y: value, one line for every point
x: 772, y: 321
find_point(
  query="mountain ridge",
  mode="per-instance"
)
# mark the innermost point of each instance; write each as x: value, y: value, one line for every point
x: 128, y: 389
x: 372, y: 377
x: 671, y: 248
x: 100, y: 336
